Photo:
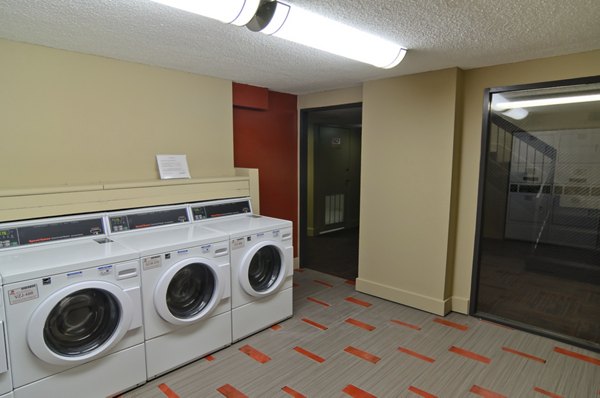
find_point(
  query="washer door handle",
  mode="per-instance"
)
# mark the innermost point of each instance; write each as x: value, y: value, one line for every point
x: 136, y: 298
x: 221, y: 252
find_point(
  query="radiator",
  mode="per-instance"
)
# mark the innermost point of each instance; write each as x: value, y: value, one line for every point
x: 334, y: 209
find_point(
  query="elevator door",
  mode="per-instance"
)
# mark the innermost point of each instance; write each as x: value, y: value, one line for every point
x: 538, y: 246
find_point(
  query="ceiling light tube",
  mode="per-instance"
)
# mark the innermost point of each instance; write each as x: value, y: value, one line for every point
x: 304, y: 27
x: 236, y: 12
x: 546, y: 102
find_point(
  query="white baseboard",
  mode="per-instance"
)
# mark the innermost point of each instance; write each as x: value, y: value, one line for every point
x: 460, y: 304
x: 405, y: 297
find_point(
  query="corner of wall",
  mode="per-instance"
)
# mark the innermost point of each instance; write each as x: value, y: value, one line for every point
x: 455, y: 187
x: 460, y: 304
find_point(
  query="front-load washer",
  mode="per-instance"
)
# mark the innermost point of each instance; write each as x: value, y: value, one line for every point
x: 261, y: 263
x: 73, y: 309
x: 6, y: 386
x: 185, y: 285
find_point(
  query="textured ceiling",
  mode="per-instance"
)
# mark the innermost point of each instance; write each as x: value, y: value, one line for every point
x: 438, y: 34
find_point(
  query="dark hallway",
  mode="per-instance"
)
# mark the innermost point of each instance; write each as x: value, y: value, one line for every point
x: 334, y: 253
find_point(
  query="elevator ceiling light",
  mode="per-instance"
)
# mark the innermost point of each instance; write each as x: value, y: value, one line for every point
x: 575, y: 99
x: 236, y: 12
x: 298, y: 25
x: 516, y: 113
x: 513, y: 113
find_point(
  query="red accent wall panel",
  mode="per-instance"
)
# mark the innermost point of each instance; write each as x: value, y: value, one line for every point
x: 268, y: 140
x: 250, y: 96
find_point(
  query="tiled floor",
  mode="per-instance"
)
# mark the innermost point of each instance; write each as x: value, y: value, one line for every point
x: 341, y: 343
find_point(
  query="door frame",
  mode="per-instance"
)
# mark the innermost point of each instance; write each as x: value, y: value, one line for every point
x: 303, y: 171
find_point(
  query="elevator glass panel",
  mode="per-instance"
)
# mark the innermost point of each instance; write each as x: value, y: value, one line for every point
x: 538, y: 258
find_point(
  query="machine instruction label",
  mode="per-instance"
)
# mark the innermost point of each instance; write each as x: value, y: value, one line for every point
x: 151, y: 262
x: 238, y: 243
x: 22, y: 294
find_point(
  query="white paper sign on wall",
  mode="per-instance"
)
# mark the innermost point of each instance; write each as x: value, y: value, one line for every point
x: 172, y: 166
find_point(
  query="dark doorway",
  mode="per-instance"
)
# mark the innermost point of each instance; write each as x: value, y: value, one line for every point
x: 330, y: 140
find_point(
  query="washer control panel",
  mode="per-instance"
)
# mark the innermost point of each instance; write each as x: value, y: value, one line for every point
x: 49, y: 232
x: 156, y: 218
x: 215, y: 210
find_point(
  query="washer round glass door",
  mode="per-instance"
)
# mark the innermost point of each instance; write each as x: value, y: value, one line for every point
x: 187, y: 291
x: 262, y: 271
x: 79, y: 322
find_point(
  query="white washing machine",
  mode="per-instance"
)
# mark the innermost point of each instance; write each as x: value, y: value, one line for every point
x: 261, y: 263
x: 73, y: 309
x: 6, y: 386
x: 185, y: 284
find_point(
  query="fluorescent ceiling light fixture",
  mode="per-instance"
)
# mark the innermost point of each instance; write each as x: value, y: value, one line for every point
x: 575, y: 99
x: 236, y: 12
x: 304, y: 27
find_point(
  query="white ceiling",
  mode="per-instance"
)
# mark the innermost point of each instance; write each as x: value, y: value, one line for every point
x: 438, y: 33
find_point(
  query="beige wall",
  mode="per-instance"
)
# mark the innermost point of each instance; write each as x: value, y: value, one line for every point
x: 329, y: 98
x: 408, y: 152
x: 73, y: 119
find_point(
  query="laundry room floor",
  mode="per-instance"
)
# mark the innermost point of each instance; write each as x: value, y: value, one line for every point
x: 341, y: 343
